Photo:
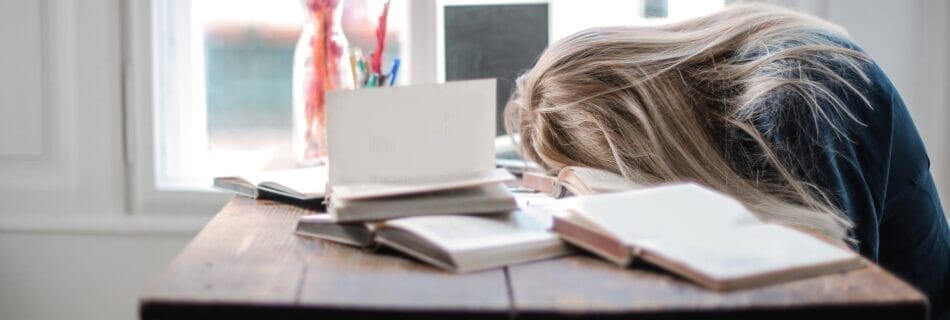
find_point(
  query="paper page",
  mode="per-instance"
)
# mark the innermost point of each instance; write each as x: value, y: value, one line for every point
x: 316, y: 218
x: 669, y: 211
x: 456, y: 233
x: 746, y: 251
x: 423, y: 133
x: 373, y: 190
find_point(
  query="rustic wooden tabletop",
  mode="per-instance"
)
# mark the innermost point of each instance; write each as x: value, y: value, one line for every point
x: 247, y: 263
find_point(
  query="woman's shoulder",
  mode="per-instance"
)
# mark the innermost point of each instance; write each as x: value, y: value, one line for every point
x: 845, y: 86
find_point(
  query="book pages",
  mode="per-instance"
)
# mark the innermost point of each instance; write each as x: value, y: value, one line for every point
x: 415, y: 134
x: 702, y: 235
x: 303, y: 181
x: 358, y: 191
x: 745, y: 251
x: 460, y: 232
x: 674, y: 211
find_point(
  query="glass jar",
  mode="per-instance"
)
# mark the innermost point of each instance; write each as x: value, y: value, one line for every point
x: 321, y: 64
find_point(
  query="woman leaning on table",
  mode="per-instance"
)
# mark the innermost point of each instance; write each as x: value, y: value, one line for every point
x: 777, y: 109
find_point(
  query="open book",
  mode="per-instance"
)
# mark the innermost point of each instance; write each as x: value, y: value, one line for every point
x: 577, y: 181
x: 305, y: 184
x: 460, y: 243
x: 416, y: 150
x: 697, y: 233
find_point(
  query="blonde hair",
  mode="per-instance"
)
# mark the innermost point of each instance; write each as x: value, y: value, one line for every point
x: 651, y: 103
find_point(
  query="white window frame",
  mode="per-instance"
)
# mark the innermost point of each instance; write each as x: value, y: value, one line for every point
x: 143, y: 129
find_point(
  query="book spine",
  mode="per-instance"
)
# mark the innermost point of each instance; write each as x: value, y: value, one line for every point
x: 542, y: 183
x: 599, y: 244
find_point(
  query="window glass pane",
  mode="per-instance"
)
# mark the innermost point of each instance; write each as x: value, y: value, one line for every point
x: 655, y: 8
x: 247, y: 84
x: 224, y: 67
x: 494, y: 41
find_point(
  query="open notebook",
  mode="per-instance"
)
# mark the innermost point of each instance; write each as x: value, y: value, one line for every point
x: 460, y: 243
x: 698, y: 234
x: 304, y: 184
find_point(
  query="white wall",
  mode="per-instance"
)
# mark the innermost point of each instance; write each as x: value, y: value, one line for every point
x: 69, y: 246
x: 78, y: 276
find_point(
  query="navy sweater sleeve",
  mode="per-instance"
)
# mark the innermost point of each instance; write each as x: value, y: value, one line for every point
x: 913, y: 234
x: 877, y: 171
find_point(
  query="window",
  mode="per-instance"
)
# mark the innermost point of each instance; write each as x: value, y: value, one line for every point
x: 222, y: 68
x: 223, y: 82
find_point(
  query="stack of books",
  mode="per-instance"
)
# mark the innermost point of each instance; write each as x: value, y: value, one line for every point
x: 413, y: 169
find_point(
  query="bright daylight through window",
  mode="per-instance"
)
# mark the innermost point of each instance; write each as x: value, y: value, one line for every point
x: 223, y: 70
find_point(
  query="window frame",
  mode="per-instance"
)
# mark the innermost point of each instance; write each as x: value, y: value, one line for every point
x: 144, y: 127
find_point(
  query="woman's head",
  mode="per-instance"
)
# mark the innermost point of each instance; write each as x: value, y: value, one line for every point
x: 677, y: 102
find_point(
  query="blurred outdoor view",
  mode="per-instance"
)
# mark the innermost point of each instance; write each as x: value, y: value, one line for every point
x: 248, y: 58
x: 247, y: 52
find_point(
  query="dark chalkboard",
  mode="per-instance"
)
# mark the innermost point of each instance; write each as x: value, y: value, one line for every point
x: 494, y: 41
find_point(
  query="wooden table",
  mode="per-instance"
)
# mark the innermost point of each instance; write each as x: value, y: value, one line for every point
x: 247, y: 263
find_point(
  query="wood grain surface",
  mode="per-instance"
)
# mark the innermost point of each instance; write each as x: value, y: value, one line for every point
x: 586, y: 285
x: 248, y: 264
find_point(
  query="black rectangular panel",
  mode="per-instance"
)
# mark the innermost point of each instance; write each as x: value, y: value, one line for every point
x: 494, y: 41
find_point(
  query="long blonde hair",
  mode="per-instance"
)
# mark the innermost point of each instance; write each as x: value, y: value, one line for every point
x: 651, y: 103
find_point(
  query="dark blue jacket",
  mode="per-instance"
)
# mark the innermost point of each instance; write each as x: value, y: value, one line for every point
x: 877, y: 172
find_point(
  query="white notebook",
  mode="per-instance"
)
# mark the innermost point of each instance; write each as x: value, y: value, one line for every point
x: 412, y: 135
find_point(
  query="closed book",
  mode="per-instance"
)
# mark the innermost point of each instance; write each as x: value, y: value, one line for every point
x: 323, y: 227
x: 480, y: 199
